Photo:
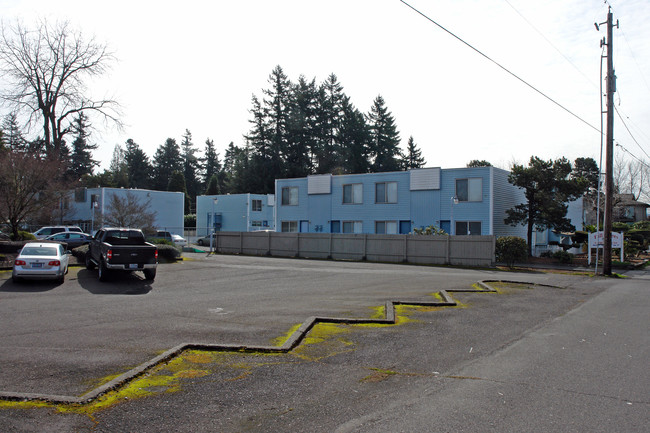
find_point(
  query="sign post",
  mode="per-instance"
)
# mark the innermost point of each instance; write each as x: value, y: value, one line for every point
x: 597, y: 240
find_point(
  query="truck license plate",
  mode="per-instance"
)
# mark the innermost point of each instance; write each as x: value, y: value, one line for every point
x: 133, y: 266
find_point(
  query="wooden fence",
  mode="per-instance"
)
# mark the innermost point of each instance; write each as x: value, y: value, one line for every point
x: 435, y: 250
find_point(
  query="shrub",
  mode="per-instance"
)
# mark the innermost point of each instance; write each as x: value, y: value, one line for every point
x: 80, y: 252
x: 620, y: 227
x: 511, y: 249
x: 23, y: 236
x: 430, y: 230
x: 168, y: 252
x: 563, y: 256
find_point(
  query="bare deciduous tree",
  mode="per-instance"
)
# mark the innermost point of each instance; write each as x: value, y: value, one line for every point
x: 45, y: 69
x: 28, y: 187
x: 129, y: 211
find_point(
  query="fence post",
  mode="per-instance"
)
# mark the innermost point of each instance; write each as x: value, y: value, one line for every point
x: 448, y: 259
x: 405, y: 248
x: 241, y: 243
x: 268, y: 243
x: 365, y: 247
x: 329, y: 252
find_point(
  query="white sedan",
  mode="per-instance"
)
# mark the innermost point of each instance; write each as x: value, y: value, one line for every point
x: 179, y: 240
x: 41, y: 261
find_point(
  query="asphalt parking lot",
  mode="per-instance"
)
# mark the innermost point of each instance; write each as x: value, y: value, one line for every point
x: 68, y: 339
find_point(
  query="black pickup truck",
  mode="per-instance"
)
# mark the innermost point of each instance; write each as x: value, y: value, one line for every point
x: 121, y: 249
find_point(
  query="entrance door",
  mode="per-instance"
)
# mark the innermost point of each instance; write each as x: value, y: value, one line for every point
x: 404, y: 227
x: 304, y: 226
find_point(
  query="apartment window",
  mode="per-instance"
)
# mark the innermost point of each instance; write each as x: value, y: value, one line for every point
x: 256, y: 205
x: 352, y: 227
x: 256, y: 223
x: 335, y: 226
x: 290, y: 196
x: 540, y: 237
x: 386, y: 192
x: 353, y: 194
x: 386, y: 227
x: 469, y: 189
x: 468, y: 228
x: 290, y: 226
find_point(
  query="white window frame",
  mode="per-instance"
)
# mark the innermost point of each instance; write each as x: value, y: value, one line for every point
x: 356, y: 193
x: 256, y: 205
x: 390, y: 227
x: 292, y: 226
x: 390, y: 193
x: 292, y: 196
x: 474, y: 189
x: 357, y: 227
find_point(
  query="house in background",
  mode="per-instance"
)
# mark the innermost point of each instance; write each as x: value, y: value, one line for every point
x: 86, y: 205
x: 234, y: 213
x: 628, y: 210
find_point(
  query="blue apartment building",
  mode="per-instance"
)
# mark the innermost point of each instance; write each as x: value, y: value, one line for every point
x: 86, y: 206
x: 461, y: 201
x: 234, y: 213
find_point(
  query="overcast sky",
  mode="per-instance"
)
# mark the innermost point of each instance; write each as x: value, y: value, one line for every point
x: 195, y: 65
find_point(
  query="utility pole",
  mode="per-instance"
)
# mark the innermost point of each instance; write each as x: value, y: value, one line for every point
x: 609, y: 154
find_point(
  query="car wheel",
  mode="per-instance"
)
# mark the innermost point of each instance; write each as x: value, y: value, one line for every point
x: 149, y: 274
x: 103, y: 271
x: 61, y: 279
x: 15, y: 279
x: 200, y: 242
x: 90, y: 265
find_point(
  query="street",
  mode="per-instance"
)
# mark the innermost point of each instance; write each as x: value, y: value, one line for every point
x: 568, y: 354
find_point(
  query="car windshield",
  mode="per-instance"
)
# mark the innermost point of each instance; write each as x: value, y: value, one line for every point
x: 39, y: 251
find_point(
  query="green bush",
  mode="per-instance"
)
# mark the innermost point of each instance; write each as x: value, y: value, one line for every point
x: 620, y: 227
x: 23, y: 236
x: 80, y: 252
x: 190, y: 221
x: 168, y: 252
x: 563, y: 256
x: 641, y: 225
x: 511, y: 249
x: 430, y: 230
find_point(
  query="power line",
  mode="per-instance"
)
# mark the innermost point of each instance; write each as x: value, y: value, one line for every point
x: 503, y: 68
x: 551, y: 43
x: 630, y: 132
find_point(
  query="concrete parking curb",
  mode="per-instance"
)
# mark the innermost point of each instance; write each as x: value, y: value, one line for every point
x: 292, y: 342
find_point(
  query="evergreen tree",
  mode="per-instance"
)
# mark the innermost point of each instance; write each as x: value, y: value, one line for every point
x: 548, y: 187
x: 118, y: 168
x: 138, y: 166
x: 190, y: 168
x: 301, y: 128
x: 478, y: 163
x: 212, y: 187
x: 355, y: 134
x: 385, y: 151
x: 177, y: 184
x: 12, y: 134
x: 81, y: 161
x: 166, y: 160
x: 210, y: 162
x: 328, y: 151
x: 413, y: 156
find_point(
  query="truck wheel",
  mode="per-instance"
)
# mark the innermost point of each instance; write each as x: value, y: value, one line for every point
x: 103, y: 271
x: 149, y: 274
x: 90, y: 265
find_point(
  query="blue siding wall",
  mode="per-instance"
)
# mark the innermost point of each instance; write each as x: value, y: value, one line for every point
x: 168, y: 206
x: 235, y: 211
x: 505, y: 196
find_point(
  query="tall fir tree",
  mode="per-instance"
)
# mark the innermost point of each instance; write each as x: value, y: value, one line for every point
x: 384, y: 138
x: 190, y: 168
x: 12, y: 134
x: 81, y: 160
x: 118, y: 168
x: 210, y: 164
x: 301, y: 129
x: 177, y: 184
x: 413, y: 156
x: 355, y: 134
x: 330, y: 110
x: 166, y: 160
x: 138, y: 166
